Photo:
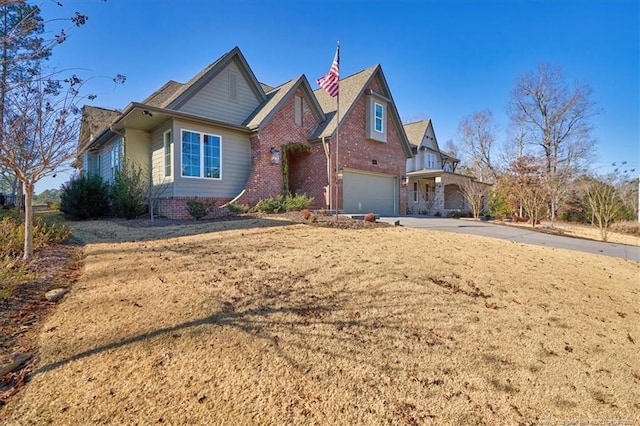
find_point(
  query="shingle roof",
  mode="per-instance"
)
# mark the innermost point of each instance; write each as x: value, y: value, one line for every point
x: 350, y: 88
x: 94, y: 121
x: 161, y: 97
x: 415, y: 131
x: 274, y: 96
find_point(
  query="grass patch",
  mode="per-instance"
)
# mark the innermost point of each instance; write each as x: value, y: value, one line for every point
x: 250, y: 323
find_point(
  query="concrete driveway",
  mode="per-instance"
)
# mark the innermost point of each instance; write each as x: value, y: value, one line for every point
x: 521, y: 235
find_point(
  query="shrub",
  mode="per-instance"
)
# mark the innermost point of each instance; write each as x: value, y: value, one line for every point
x: 438, y: 213
x: 198, y: 209
x: 129, y: 191
x: 369, y: 217
x: 53, y: 205
x: 305, y: 214
x: 296, y: 202
x: 238, y: 208
x: 313, y: 218
x: 45, y: 232
x: 85, y: 196
x: 283, y: 203
x: 322, y: 212
x: 627, y: 227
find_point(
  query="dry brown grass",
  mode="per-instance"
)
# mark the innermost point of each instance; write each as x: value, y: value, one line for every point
x: 615, y: 234
x: 242, y: 323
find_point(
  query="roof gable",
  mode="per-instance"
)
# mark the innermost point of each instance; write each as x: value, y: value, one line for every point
x: 94, y: 121
x: 278, y: 96
x: 200, y: 80
x: 351, y: 90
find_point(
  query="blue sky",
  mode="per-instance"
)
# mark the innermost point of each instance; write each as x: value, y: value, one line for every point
x: 442, y: 59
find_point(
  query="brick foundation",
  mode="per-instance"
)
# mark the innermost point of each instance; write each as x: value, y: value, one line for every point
x: 176, y: 207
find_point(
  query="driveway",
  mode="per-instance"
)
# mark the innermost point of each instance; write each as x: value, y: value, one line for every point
x: 521, y: 235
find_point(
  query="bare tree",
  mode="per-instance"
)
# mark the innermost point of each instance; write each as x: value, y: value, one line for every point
x: 556, y: 120
x: 526, y: 183
x: 476, y: 140
x: 474, y: 193
x: 604, y: 203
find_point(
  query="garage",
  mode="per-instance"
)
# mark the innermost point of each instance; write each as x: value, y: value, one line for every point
x: 369, y: 193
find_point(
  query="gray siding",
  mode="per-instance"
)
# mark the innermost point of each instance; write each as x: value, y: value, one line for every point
x: 235, y: 164
x: 105, y: 158
x: 216, y: 99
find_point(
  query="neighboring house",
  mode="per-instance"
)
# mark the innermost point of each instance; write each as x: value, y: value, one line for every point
x: 223, y: 136
x: 433, y: 185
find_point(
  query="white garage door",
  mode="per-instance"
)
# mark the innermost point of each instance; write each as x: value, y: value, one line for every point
x: 368, y: 193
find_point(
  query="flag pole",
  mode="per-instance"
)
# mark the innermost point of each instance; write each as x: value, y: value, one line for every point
x: 337, y: 136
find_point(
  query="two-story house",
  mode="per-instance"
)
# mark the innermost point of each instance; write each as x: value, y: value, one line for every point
x: 223, y: 136
x: 433, y: 185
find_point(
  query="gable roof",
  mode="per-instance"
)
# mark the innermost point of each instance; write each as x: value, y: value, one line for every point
x: 415, y: 131
x: 279, y: 96
x: 162, y: 96
x: 351, y: 88
x: 193, y: 86
x: 94, y: 121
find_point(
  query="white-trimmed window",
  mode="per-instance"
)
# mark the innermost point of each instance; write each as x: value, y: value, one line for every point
x: 201, y: 155
x: 116, y: 158
x: 415, y: 192
x: 166, y: 146
x: 378, y: 119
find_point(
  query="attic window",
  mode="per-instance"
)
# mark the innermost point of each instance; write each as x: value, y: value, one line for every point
x: 379, y: 117
x: 233, y: 86
x: 298, y: 111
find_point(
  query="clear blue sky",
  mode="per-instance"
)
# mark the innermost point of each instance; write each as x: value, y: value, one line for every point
x: 442, y: 59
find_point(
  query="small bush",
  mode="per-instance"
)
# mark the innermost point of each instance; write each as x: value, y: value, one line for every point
x: 238, y: 208
x: 129, y: 191
x: 313, y: 218
x: 627, y: 227
x: 438, y: 214
x: 369, y: 217
x: 53, y: 205
x: 198, y: 209
x: 322, y: 212
x: 283, y: 203
x: 45, y: 232
x: 85, y: 196
x: 305, y: 214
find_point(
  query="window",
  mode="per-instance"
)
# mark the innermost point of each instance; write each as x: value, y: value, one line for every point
x: 116, y: 154
x: 427, y: 194
x: 298, y: 111
x: 415, y: 192
x: 378, y: 117
x: 201, y: 155
x: 167, y: 152
x: 431, y: 161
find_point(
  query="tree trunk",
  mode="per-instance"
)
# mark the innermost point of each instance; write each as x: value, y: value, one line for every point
x: 20, y: 196
x: 28, y: 222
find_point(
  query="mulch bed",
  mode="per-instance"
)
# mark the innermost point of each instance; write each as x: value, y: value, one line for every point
x: 23, y: 310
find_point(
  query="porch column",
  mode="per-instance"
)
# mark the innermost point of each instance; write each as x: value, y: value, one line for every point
x: 438, y: 199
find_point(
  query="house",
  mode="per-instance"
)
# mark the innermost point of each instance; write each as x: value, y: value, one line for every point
x: 223, y: 136
x: 433, y: 185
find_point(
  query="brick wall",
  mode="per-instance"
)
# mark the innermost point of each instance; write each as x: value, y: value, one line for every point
x: 358, y: 152
x: 176, y: 207
x: 306, y: 170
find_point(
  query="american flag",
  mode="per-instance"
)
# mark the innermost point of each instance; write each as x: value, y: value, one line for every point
x: 330, y: 82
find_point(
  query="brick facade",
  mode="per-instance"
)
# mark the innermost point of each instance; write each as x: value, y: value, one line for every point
x: 358, y: 152
x: 307, y: 171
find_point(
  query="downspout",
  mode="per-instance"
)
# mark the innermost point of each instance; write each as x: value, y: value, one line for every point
x: 327, y: 154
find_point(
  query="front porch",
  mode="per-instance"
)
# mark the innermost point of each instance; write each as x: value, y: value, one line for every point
x: 436, y: 193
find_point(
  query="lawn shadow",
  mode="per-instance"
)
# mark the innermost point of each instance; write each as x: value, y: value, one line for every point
x: 118, y: 231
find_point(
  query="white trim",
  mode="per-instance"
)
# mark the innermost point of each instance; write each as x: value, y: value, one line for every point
x: 375, y: 117
x: 166, y: 142
x: 201, y: 154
